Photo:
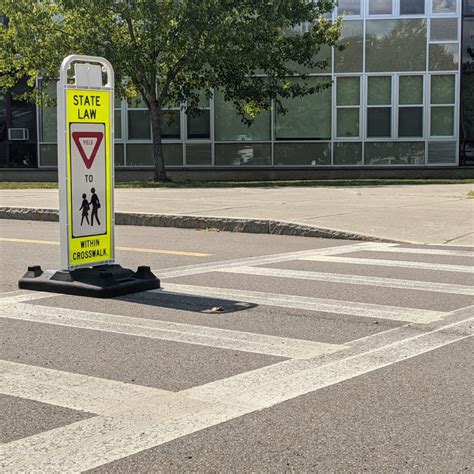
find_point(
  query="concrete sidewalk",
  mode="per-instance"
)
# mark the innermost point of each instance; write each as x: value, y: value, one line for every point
x: 426, y: 213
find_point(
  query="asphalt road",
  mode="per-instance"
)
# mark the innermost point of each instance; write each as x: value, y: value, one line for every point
x: 328, y: 356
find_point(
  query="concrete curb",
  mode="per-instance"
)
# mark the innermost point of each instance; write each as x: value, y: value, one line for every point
x: 227, y: 224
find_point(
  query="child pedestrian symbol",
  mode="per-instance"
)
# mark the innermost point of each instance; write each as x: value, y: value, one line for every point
x: 85, y: 209
x: 95, y: 203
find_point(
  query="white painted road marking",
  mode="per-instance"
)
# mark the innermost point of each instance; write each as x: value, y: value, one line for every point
x: 103, y: 439
x: 261, y: 260
x: 306, y: 381
x: 422, y: 250
x: 134, y: 418
x: 74, y: 391
x: 366, y: 310
x: 169, y: 331
x: 440, y: 267
x: 354, y: 279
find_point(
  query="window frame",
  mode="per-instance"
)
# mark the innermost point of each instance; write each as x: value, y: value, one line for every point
x: 399, y: 106
x: 377, y: 106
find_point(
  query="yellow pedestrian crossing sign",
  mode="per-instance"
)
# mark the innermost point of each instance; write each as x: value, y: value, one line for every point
x: 86, y: 164
x: 86, y: 189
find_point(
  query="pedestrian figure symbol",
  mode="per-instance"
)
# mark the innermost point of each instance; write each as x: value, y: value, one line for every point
x: 85, y: 207
x: 95, y: 203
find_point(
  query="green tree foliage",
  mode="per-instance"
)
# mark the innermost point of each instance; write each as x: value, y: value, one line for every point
x: 167, y: 51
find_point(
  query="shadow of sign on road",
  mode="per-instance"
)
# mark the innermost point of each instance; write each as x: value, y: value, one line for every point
x: 184, y: 302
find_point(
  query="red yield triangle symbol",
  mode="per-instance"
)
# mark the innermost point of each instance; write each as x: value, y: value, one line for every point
x: 77, y: 137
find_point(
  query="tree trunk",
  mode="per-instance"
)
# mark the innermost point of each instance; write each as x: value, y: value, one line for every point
x: 159, y: 171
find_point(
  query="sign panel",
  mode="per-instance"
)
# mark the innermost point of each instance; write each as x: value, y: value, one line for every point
x: 88, y: 179
x: 86, y: 174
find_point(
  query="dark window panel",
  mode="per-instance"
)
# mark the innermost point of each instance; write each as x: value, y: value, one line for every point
x: 379, y: 122
x: 350, y: 7
x: 412, y: 7
x: 170, y: 127
x: 348, y: 153
x: 198, y: 154
x: 199, y: 127
x: 139, y: 127
x: 410, y: 122
x: 22, y: 155
x: 302, y: 154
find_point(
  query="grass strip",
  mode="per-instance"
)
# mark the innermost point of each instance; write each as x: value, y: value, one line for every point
x: 251, y: 184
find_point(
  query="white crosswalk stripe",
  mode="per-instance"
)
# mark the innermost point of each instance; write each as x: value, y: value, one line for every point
x: 439, y: 267
x: 261, y: 260
x: 169, y: 331
x: 366, y: 310
x: 74, y: 391
x: 421, y: 250
x: 354, y: 279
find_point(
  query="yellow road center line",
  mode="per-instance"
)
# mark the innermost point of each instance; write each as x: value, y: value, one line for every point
x: 125, y: 249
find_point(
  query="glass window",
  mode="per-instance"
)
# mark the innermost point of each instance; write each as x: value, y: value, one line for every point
x: 379, y: 90
x: 117, y: 124
x: 394, y: 153
x: 347, y: 122
x: 379, y: 122
x: 48, y: 124
x: 444, y: 29
x: 441, y: 153
x: 411, y: 90
x: 410, y: 122
x: 348, y: 153
x: 348, y: 91
x: 468, y: 7
x: 444, y: 6
x: 308, y: 117
x: 141, y: 154
x: 243, y: 154
x: 444, y: 57
x: 139, y: 127
x: 22, y: 155
x: 467, y: 104
x: 199, y: 127
x: 412, y: 7
x: 396, y: 45
x: 3, y: 122
x: 468, y: 43
x: 443, y: 89
x: 228, y: 124
x: 119, y: 155
x: 442, y: 121
x: 48, y: 117
x: 49, y: 155
x: 350, y: 59
x: 380, y: 7
x: 349, y: 7
x: 170, y: 127
x: 198, y: 154
x: 302, y: 154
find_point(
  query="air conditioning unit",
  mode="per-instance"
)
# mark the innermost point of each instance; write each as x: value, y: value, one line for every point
x: 18, y: 134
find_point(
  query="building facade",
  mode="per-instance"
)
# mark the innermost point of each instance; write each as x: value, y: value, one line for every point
x: 402, y: 95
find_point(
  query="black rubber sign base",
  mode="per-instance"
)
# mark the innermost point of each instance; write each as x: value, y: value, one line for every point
x: 102, y: 281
